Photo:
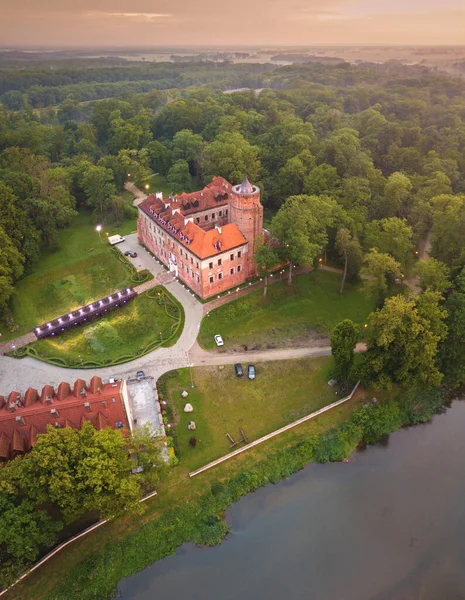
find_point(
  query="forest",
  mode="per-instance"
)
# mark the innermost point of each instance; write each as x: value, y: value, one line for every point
x: 362, y: 163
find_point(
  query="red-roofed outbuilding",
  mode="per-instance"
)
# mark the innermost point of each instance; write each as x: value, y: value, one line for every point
x: 22, y: 419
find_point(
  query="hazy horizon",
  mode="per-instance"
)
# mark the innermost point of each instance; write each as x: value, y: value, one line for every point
x: 207, y: 23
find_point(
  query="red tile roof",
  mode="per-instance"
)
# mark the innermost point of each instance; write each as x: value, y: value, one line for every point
x: 21, y: 420
x: 174, y: 216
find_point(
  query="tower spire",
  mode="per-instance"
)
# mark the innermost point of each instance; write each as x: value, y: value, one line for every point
x: 246, y: 187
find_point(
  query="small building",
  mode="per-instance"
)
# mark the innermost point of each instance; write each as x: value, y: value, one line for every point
x: 206, y: 238
x: 23, y: 418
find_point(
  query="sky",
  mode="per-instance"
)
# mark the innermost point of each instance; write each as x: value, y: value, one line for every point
x: 231, y: 23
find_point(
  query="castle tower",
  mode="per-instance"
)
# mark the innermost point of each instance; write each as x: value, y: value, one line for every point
x: 247, y: 212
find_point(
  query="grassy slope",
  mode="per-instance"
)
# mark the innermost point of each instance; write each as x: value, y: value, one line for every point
x: 69, y: 277
x: 174, y: 490
x: 312, y: 303
x: 281, y: 393
x: 124, y: 331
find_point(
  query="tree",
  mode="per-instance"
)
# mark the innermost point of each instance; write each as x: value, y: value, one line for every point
x: 349, y: 250
x: 232, y: 157
x: 344, y: 337
x: 99, y: 188
x: 448, y: 239
x: 78, y: 471
x: 25, y: 529
x: 402, y: 343
x: 397, y: 194
x: 392, y: 236
x: 266, y: 258
x: 187, y: 146
x: 379, y: 271
x: 179, y: 177
x: 452, y: 349
x: 301, y: 225
x: 11, y: 267
x: 434, y: 275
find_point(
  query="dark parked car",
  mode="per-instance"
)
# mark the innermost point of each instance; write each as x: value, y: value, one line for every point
x: 130, y: 253
x: 140, y: 374
x: 251, y: 371
x: 238, y: 368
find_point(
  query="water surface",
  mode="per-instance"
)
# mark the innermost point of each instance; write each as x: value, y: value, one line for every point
x: 388, y: 525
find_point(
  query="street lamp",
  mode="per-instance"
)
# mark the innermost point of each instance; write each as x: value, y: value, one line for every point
x: 147, y: 186
x: 98, y: 229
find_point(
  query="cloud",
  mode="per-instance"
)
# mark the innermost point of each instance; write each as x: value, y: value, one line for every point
x: 136, y: 16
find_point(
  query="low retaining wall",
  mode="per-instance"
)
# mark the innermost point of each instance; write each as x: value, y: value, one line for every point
x: 274, y: 433
x: 64, y: 544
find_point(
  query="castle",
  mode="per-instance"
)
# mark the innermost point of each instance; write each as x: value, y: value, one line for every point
x: 206, y: 238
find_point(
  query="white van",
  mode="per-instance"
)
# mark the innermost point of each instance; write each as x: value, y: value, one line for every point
x: 115, y: 239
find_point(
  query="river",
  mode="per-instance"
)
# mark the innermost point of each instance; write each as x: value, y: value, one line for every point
x: 387, y: 525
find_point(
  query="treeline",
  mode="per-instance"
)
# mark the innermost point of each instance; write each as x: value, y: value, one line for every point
x: 193, y: 72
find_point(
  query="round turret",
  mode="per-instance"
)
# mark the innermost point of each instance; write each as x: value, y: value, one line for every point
x: 247, y: 212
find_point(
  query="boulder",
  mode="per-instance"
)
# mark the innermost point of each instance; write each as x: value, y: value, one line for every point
x: 188, y: 408
x: 185, y: 394
x: 192, y: 426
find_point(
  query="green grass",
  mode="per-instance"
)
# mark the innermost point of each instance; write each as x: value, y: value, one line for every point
x: 281, y: 393
x: 158, y: 183
x: 288, y: 313
x: 82, y: 270
x: 125, y: 331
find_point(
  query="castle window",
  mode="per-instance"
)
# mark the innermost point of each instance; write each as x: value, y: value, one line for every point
x: 226, y: 212
x: 206, y: 217
x: 231, y: 257
x: 211, y: 278
x: 210, y: 265
x: 220, y: 275
x: 197, y: 219
x: 231, y: 271
x: 192, y: 261
x: 213, y: 215
x: 239, y: 268
x: 239, y: 254
x: 220, y: 262
x: 197, y: 265
x: 220, y: 214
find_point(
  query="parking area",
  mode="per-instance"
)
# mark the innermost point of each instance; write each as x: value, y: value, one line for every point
x: 145, y: 407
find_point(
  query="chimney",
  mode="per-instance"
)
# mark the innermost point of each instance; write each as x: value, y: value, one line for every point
x: 20, y: 421
x: 54, y: 412
x: 219, y: 229
x: 104, y: 403
x: 48, y: 399
x: 12, y: 406
x: 87, y: 406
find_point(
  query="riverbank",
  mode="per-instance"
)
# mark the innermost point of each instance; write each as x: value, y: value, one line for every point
x: 191, y: 510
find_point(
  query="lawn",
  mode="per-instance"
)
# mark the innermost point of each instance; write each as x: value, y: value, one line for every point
x: 158, y: 183
x: 281, y: 393
x: 124, y: 332
x: 83, y: 269
x: 288, y: 315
